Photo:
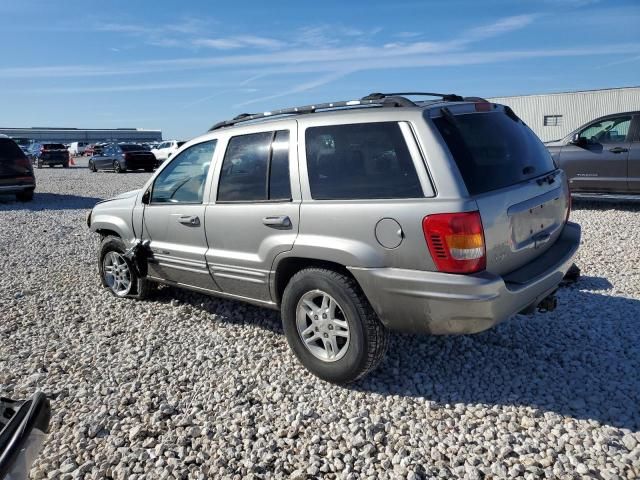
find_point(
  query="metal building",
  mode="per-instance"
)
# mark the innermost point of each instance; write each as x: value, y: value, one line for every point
x: 554, y: 115
x: 91, y: 135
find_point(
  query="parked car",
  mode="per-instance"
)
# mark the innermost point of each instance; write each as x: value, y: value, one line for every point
x: 122, y: 157
x: 166, y: 149
x: 78, y: 148
x: 50, y: 154
x: 16, y: 171
x: 94, y: 149
x: 603, y: 156
x: 440, y: 217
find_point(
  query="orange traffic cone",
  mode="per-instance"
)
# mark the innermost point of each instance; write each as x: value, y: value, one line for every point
x: 71, y: 162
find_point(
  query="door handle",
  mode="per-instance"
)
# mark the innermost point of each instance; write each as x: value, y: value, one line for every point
x: 618, y: 150
x: 277, y: 221
x: 191, y: 220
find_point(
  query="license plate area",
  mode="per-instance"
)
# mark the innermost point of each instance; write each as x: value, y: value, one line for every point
x: 535, y: 221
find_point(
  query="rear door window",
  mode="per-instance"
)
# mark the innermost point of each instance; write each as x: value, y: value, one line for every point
x: 256, y: 168
x: 360, y: 161
x: 493, y: 150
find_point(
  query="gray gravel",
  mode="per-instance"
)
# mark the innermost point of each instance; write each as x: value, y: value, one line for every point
x: 188, y: 386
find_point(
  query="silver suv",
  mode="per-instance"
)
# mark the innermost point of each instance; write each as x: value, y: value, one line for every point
x: 353, y: 218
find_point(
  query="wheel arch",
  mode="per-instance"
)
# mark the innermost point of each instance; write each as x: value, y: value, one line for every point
x: 287, y: 267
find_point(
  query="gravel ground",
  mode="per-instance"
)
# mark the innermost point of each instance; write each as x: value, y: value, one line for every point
x: 188, y: 386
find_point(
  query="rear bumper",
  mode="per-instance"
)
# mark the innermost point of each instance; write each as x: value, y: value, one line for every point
x: 442, y: 304
x: 52, y: 161
x: 16, y: 188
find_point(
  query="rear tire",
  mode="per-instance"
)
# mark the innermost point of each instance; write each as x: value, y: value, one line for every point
x: 92, y: 167
x: 148, y: 169
x: 65, y: 165
x: 138, y: 288
x: 25, y: 196
x: 117, y: 167
x: 39, y: 165
x: 366, y: 337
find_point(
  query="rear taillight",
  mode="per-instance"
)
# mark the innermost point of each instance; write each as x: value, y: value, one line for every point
x: 456, y: 241
x: 126, y: 155
x: 23, y: 162
x: 42, y: 149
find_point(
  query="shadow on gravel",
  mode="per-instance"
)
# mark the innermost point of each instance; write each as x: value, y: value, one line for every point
x: 583, y: 361
x: 605, y: 204
x: 48, y: 201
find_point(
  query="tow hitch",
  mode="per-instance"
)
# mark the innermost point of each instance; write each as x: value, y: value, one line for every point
x: 548, y: 303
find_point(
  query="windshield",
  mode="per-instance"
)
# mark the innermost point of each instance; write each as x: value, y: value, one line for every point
x: 493, y: 150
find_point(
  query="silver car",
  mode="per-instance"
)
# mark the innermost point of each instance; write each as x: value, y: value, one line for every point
x: 354, y: 218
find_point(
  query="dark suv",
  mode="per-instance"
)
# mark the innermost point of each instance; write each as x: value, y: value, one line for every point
x: 603, y: 156
x: 16, y: 173
x: 49, y: 154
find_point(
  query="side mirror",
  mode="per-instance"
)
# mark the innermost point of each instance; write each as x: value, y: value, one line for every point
x: 146, y: 196
x: 578, y: 140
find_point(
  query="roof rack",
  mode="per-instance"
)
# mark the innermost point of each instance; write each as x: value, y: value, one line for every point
x: 373, y: 99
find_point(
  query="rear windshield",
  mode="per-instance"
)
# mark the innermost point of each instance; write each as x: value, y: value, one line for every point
x: 53, y: 146
x: 492, y: 150
x: 131, y: 148
x: 9, y: 150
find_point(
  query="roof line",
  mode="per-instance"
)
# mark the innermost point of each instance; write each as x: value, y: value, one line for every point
x: 563, y: 93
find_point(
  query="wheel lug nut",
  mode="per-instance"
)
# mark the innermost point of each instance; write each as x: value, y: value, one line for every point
x: 315, y: 317
x: 326, y: 335
x: 324, y: 315
x: 330, y: 327
x: 317, y: 329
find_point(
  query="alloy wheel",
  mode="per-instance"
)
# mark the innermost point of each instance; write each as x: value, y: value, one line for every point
x: 322, y: 326
x: 116, y: 273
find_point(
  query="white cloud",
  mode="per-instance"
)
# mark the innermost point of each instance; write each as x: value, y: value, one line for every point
x: 239, y: 41
x: 120, y: 88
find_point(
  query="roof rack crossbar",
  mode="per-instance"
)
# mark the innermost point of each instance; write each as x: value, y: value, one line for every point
x: 449, y: 97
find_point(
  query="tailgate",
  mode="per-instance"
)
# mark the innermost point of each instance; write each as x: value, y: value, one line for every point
x: 14, y: 166
x: 523, y: 199
x: 522, y: 221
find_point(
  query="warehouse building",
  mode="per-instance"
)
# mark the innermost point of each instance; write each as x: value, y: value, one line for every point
x: 553, y: 116
x: 89, y: 135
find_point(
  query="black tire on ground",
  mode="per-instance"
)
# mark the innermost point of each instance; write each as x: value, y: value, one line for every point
x: 25, y: 196
x: 117, y: 167
x: 140, y: 287
x: 39, y: 165
x: 92, y: 167
x: 148, y: 169
x: 65, y: 165
x: 368, y: 337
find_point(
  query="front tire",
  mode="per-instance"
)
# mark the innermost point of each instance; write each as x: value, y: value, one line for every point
x: 331, y: 327
x: 92, y: 167
x: 117, y: 273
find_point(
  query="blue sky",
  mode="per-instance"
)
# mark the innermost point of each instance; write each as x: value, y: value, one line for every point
x: 182, y: 66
